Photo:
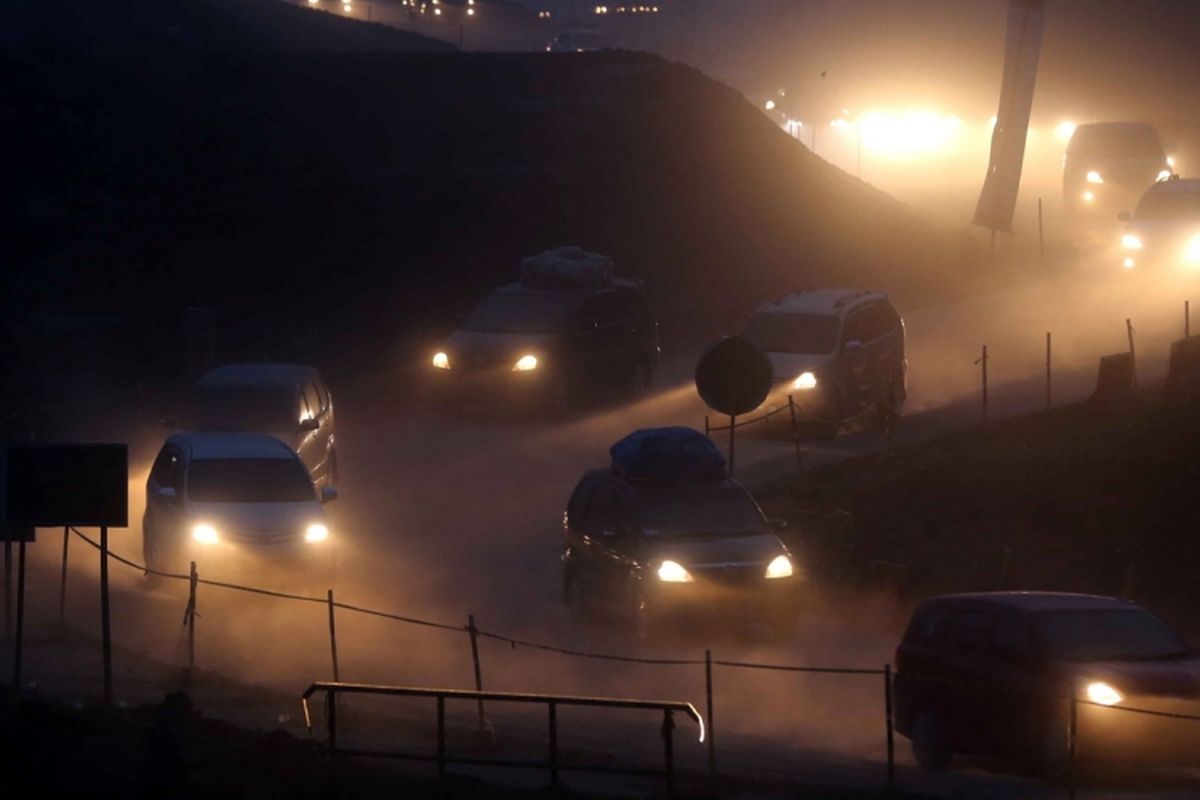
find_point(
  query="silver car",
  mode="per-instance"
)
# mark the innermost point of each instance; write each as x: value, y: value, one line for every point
x: 234, y: 503
x: 288, y: 401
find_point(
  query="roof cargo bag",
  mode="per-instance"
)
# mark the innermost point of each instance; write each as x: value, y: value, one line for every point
x: 568, y: 267
x: 668, y: 454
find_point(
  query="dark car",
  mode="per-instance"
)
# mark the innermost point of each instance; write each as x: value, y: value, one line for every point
x: 1108, y: 165
x: 839, y: 353
x: 655, y: 551
x: 552, y: 340
x: 992, y: 674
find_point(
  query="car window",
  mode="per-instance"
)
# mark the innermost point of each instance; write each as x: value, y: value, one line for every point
x: 249, y: 480
x: 607, y: 308
x: 522, y: 311
x: 322, y: 396
x: 1012, y: 637
x: 1169, y: 206
x: 793, y: 333
x: 858, y: 327
x: 577, y: 506
x: 869, y: 323
x: 970, y: 629
x: 166, y: 471
x: 603, y: 506
x: 1102, y: 635
x: 311, y: 402
x: 699, y: 511
x: 243, y: 408
x: 928, y: 626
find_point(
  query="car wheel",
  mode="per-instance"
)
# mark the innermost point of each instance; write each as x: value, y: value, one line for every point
x: 1053, y: 756
x: 929, y: 744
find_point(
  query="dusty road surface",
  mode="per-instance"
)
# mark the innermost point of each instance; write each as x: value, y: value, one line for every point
x: 445, y: 515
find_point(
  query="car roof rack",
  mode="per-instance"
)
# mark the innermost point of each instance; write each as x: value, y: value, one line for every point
x: 857, y: 295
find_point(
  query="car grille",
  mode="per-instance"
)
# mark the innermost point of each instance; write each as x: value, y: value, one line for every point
x: 737, y: 575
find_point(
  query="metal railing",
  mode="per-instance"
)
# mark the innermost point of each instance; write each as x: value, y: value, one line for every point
x: 551, y: 701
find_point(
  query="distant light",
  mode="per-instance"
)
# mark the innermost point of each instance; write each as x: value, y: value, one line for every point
x: 1163, y: 175
x: 1065, y: 130
x: 437, y: 12
x: 312, y: 2
x: 901, y: 135
x: 992, y: 120
x: 1129, y: 262
x: 470, y: 12
x: 1094, y: 177
x: 1170, y: 162
x: 345, y: 6
x: 769, y: 105
x: 1131, y: 241
x: 1191, y: 253
x: 1089, y: 197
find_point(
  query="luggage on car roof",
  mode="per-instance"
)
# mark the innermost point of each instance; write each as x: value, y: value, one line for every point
x: 668, y: 454
x: 568, y: 267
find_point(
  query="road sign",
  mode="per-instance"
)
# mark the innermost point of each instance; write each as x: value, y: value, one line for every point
x: 52, y: 485
x: 733, y: 376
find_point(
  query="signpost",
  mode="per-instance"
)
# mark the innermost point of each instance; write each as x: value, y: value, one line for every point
x: 733, y: 377
x: 62, y: 485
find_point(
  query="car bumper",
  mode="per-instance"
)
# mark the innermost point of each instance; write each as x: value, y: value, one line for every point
x: 1116, y: 734
x: 703, y: 601
x: 498, y: 385
x: 260, y: 563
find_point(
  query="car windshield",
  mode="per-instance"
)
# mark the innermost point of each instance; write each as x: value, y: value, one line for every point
x: 242, y: 408
x: 697, y: 512
x: 1116, y: 141
x: 249, y: 480
x: 1169, y: 206
x: 793, y: 333
x: 1109, y: 635
x: 520, y: 312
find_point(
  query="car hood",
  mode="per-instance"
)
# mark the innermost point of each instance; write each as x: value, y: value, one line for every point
x: 475, y: 349
x: 1173, y: 677
x: 701, y: 551
x: 257, y: 522
x: 788, y: 366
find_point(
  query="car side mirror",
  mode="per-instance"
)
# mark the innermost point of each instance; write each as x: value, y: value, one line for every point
x: 852, y: 346
x: 1124, y: 216
x: 310, y: 424
x: 328, y: 495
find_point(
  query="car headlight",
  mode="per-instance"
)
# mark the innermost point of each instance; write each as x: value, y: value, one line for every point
x: 525, y: 363
x: 441, y: 360
x: 1131, y: 241
x: 1163, y: 174
x: 316, y: 533
x: 1094, y: 177
x: 1191, y: 253
x: 780, y: 567
x: 673, y: 572
x: 805, y: 382
x: 1103, y: 693
x: 205, y: 534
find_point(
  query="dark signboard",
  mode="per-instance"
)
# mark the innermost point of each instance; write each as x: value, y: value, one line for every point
x: 51, y: 485
x: 733, y: 376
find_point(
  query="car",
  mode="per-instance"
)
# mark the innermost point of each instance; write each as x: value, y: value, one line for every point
x: 578, y: 41
x: 567, y: 331
x: 992, y: 673
x: 657, y: 547
x: 1164, y: 229
x: 288, y: 401
x: 1109, y: 164
x: 839, y: 353
x: 234, y: 503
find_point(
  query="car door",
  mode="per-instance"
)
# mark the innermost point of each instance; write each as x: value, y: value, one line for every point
x: 164, y: 498
x: 583, y: 531
x: 853, y: 363
x: 310, y: 448
x: 322, y: 438
x: 1012, y: 668
x: 968, y: 696
x: 601, y: 340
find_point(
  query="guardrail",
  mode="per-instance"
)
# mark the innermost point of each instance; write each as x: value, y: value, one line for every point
x: 552, y: 703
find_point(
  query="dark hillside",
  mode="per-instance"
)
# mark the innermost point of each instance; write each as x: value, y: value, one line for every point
x: 324, y: 200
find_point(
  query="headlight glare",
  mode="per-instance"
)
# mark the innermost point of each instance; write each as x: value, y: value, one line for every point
x: 1191, y: 253
x: 441, y: 360
x: 780, y: 567
x: 1163, y: 175
x: 805, y: 382
x: 1094, y: 177
x: 673, y: 572
x: 1131, y: 241
x: 316, y: 533
x: 526, y: 363
x: 1102, y: 693
x: 205, y: 534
